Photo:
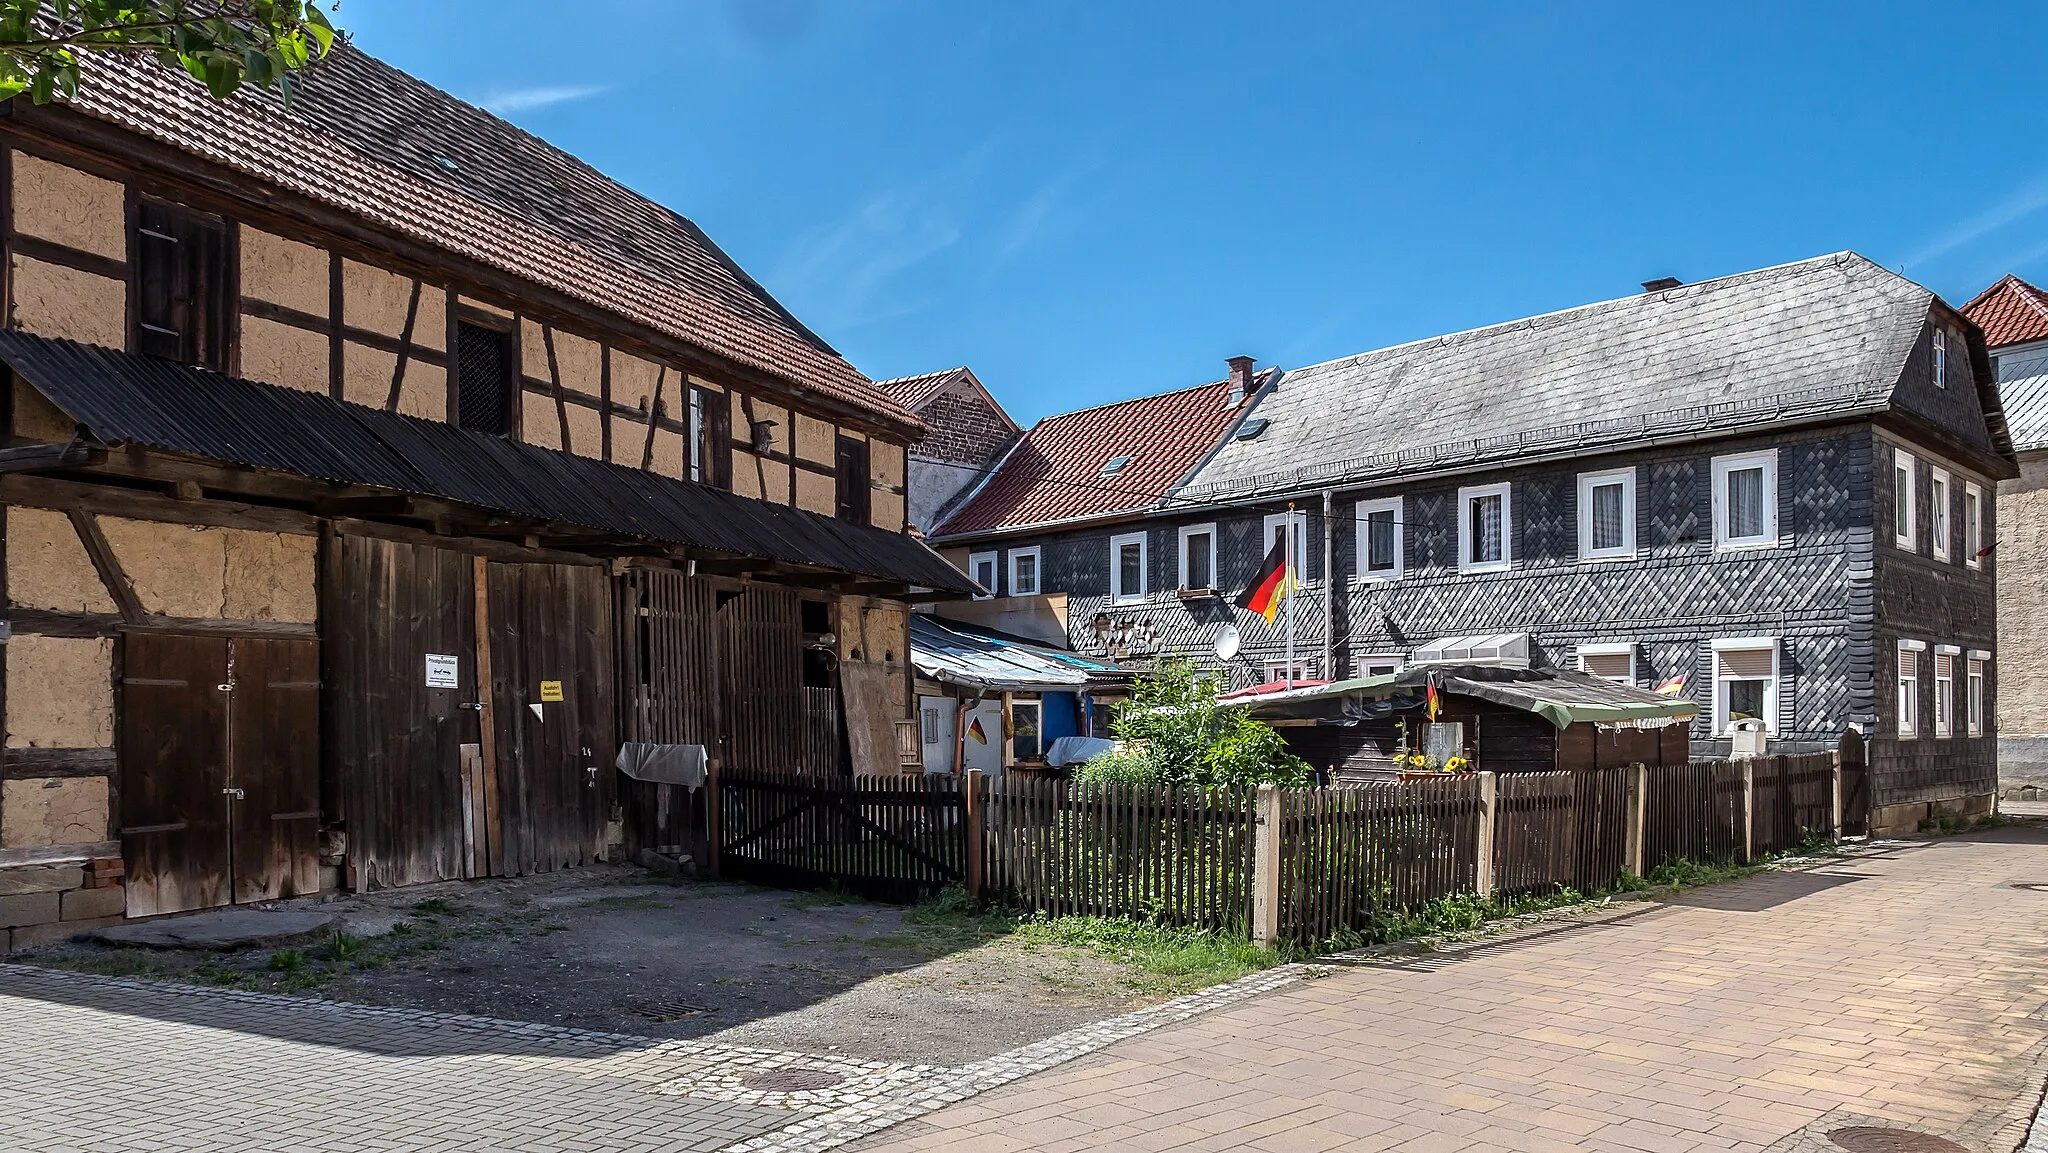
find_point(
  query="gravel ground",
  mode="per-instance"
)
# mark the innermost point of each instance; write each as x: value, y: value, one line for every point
x: 616, y: 949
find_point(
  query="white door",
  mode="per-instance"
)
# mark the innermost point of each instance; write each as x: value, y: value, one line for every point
x: 983, y: 747
x: 935, y: 724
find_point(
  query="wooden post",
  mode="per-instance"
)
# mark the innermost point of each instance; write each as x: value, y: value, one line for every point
x: 494, y: 863
x: 1835, y: 806
x: 1638, y: 801
x: 976, y: 834
x: 1748, y: 810
x: 1266, y: 868
x: 1489, y: 798
x: 711, y: 806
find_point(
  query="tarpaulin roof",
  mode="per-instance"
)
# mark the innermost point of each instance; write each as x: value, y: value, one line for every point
x: 1561, y: 696
x: 954, y: 653
x: 123, y: 398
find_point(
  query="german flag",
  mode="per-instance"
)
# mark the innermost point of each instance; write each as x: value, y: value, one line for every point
x: 1273, y: 584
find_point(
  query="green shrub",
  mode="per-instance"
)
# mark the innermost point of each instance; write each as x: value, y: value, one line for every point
x: 1175, y: 733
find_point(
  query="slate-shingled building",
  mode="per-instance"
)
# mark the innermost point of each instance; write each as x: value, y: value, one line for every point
x: 1776, y: 485
x: 372, y: 468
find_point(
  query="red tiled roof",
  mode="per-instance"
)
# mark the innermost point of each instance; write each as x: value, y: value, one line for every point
x: 371, y: 141
x: 2010, y: 312
x: 911, y: 391
x: 1055, y: 472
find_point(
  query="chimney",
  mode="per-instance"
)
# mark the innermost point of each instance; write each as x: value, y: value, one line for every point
x: 1662, y: 283
x: 1240, y: 379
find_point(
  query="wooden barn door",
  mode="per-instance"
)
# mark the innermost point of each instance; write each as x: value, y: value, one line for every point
x: 760, y: 635
x: 274, y: 763
x: 174, y: 772
x: 220, y: 769
x: 550, y: 657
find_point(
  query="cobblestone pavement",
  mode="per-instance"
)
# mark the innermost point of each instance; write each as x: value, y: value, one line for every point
x: 1907, y: 988
x: 1901, y: 988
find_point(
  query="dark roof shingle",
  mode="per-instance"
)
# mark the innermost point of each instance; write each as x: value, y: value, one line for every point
x: 365, y: 138
x: 912, y: 391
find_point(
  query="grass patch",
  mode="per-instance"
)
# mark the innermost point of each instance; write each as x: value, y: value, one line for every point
x: 1175, y: 959
x: 434, y: 907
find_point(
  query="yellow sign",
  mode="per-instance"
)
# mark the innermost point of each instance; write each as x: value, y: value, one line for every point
x: 551, y: 691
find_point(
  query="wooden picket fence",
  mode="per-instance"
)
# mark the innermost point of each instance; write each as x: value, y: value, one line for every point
x: 1280, y: 864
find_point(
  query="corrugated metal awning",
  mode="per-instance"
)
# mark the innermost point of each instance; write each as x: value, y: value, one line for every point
x: 952, y: 653
x: 123, y: 398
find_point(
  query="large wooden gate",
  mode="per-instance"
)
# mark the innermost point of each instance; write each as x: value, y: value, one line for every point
x: 760, y: 634
x: 220, y: 769
x: 433, y: 778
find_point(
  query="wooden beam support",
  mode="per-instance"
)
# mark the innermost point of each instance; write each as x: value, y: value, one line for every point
x: 55, y: 623
x: 107, y: 564
x: 112, y: 500
x: 37, y: 457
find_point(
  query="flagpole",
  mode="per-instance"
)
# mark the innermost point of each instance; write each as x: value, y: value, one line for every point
x: 1287, y: 579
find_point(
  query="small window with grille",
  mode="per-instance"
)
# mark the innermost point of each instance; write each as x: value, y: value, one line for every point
x: 484, y: 378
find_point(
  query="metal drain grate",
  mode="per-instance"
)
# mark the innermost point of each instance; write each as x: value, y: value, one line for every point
x: 791, y: 1080
x: 669, y: 1010
x: 1870, y: 1139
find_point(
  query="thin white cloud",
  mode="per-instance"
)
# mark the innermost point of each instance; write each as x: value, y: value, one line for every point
x: 515, y: 100
x: 2030, y: 198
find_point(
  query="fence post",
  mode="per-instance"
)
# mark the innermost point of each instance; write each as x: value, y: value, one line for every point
x: 1266, y: 867
x: 1835, y: 806
x: 976, y: 834
x: 1489, y: 796
x: 1638, y: 800
x: 711, y: 803
x: 1748, y: 810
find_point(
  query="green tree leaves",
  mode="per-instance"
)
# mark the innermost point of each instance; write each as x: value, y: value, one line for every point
x: 223, y: 44
x: 1174, y: 733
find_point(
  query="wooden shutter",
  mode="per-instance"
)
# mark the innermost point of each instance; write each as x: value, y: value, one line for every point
x: 184, y: 303
x: 1746, y: 664
x: 852, y: 470
x: 1944, y: 666
x: 1909, y: 663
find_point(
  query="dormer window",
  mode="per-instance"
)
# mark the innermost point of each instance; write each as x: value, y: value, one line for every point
x: 1116, y: 465
x: 1941, y: 358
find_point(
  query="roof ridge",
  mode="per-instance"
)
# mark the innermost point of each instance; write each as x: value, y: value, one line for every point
x: 1840, y: 257
x: 920, y: 376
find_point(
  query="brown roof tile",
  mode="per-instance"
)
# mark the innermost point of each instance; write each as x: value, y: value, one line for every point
x: 2010, y: 312
x: 370, y: 140
x: 1055, y: 472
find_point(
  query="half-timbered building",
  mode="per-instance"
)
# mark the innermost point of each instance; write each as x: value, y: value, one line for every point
x: 1776, y: 489
x: 372, y: 470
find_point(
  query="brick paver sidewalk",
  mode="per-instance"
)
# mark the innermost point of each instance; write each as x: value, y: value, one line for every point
x: 1905, y: 988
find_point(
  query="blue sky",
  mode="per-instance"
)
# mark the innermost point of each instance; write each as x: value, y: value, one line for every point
x: 1089, y: 201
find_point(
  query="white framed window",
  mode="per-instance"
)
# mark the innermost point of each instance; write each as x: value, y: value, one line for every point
x: 1909, y: 687
x: 1298, y: 523
x: 1380, y: 664
x: 1746, y: 500
x: 982, y: 567
x: 1905, y: 532
x: 1127, y: 567
x: 1610, y: 662
x: 1745, y: 682
x: 1945, y: 689
x: 1024, y: 580
x: 1940, y: 357
x: 1197, y: 556
x: 1485, y: 528
x: 1973, y: 693
x: 1379, y: 539
x: 1973, y: 524
x: 1937, y: 512
x: 1607, y: 514
x: 1304, y: 670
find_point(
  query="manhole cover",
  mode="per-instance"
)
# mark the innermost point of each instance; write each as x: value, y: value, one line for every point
x: 1870, y: 1139
x: 791, y: 1080
x: 669, y: 1010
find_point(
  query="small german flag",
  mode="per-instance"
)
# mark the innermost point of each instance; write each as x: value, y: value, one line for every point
x: 975, y: 730
x: 1273, y: 584
x: 1433, y: 699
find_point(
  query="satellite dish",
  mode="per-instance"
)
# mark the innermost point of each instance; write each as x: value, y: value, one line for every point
x: 1227, y: 642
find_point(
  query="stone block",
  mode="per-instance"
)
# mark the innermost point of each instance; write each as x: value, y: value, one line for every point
x: 40, y: 879
x: 86, y: 904
x: 28, y: 909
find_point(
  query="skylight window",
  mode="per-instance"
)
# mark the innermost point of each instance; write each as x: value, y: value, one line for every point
x: 1251, y: 428
x: 1116, y: 465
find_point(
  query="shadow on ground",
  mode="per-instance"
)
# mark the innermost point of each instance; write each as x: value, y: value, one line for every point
x: 614, y: 950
